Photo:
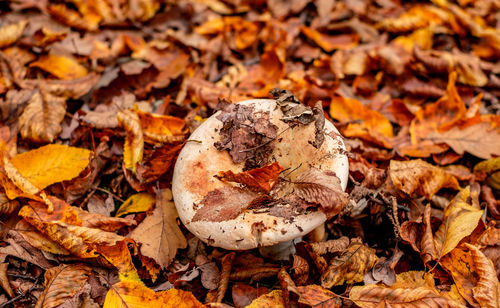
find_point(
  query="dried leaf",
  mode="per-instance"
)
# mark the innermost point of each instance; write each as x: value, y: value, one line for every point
x: 159, y: 234
x: 62, y: 283
x: 262, y: 179
x: 244, y: 294
x: 60, y: 66
x: 271, y: 299
x: 323, y: 188
x: 134, y: 142
x: 42, y: 117
x: 331, y: 42
x: 317, y: 296
x: 350, y: 267
x: 161, y: 128
x: 11, y: 33
x: 411, y: 288
x: 141, y: 202
x: 420, y: 177
x: 4, y: 280
x: 131, y: 294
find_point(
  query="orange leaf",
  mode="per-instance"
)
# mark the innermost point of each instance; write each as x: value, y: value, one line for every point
x: 60, y: 66
x: 331, y: 42
x: 161, y: 128
x: 11, y: 33
x: 262, y: 178
x: 133, y: 294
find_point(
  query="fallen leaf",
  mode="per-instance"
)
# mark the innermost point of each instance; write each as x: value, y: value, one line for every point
x: 62, y: 283
x: 131, y: 294
x: 411, y: 288
x: 60, y: 66
x: 331, y: 42
x: 42, y: 117
x: 262, y: 178
x: 134, y: 141
x: 350, y: 267
x: 317, y: 296
x: 159, y: 234
x: 243, y: 294
x: 4, y: 280
x: 420, y: 177
x: 161, y: 128
x: 9, y: 34
x: 489, y: 169
x: 158, y: 163
x: 51, y: 164
x: 271, y: 299
x: 141, y: 202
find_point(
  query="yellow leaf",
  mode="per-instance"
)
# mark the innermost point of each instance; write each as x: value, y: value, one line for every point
x: 11, y: 33
x: 60, y: 66
x: 491, y: 168
x: 38, y: 240
x: 134, y: 142
x: 421, y: 38
x: 159, y: 233
x: 412, y: 289
x: 137, y: 203
x: 51, y: 164
x: 131, y: 294
x: 271, y: 299
x: 420, y: 177
x: 42, y: 117
x: 62, y: 283
x: 350, y: 267
x: 459, y: 220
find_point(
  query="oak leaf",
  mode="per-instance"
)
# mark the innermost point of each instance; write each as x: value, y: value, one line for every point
x: 262, y: 179
x: 350, y: 267
x: 420, y: 177
x: 131, y: 294
x: 62, y: 283
x: 42, y: 117
x: 62, y: 67
x: 411, y: 289
x: 51, y: 164
x: 159, y: 234
x: 11, y: 33
x: 134, y: 142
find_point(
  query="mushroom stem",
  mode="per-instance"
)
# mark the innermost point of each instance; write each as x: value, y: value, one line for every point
x: 280, y: 251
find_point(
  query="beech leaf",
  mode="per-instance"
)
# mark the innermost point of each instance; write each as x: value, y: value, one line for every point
x: 134, y: 142
x: 62, y: 67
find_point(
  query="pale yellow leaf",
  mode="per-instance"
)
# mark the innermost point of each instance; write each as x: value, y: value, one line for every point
x: 159, y: 234
x: 51, y: 164
x: 271, y: 299
x: 136, y: 203
x: 11, y: 33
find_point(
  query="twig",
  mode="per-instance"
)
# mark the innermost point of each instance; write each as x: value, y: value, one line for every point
x: 108, y: 192
x: 20, y: 296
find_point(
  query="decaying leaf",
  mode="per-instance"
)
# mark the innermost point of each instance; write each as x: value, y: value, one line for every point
x: 159, y: 234
x: 62, y: 283
x: 271, y: 299
x: 411, y: 288
x: 350, y: 267
x: 41, y: 119
x: 262, y: 178
x: 420, y: 177
x: 4, y: 280
x: 134, y: 142
x: 11, y: 33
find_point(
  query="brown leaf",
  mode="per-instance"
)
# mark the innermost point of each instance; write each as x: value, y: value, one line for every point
x: 159, y: 233
x: 317, y: 296
x: 262, y: 178
x: 331, y: 42
x: 243, y: 294
x: 61, y: 283
x: 350, y: 267
x: 4, y: 280
x: 420, y: 177
x: 42, y: 117
x: 158, y: 163
x: 323, y: 188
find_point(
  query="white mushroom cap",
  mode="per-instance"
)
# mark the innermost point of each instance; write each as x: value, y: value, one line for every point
x: 199, y: 161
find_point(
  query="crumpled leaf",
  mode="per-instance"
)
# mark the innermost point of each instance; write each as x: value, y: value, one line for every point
x: 474, y: 275
x: 161, y: 128
x: 141, y: 202
x: 420, y: 177
x: 159, y: 234
x: 323, y: 188
x: 4, y: 280
x: 134, y: 141
x: 51, y: 164
x: 132, y: 294
x: 489, y: 168
x: 331, y: 42
x: 60, y: 66
x: 317, y: 296
x: 262, y: 178
x: 62, y: 283
x: 11, y: 33
x: 105, y: 115
x: 350, y: 267
x: 42, y: 117
x: 411, y: 288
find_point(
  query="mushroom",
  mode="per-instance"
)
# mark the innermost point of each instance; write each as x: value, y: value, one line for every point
x: 260, y: 133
